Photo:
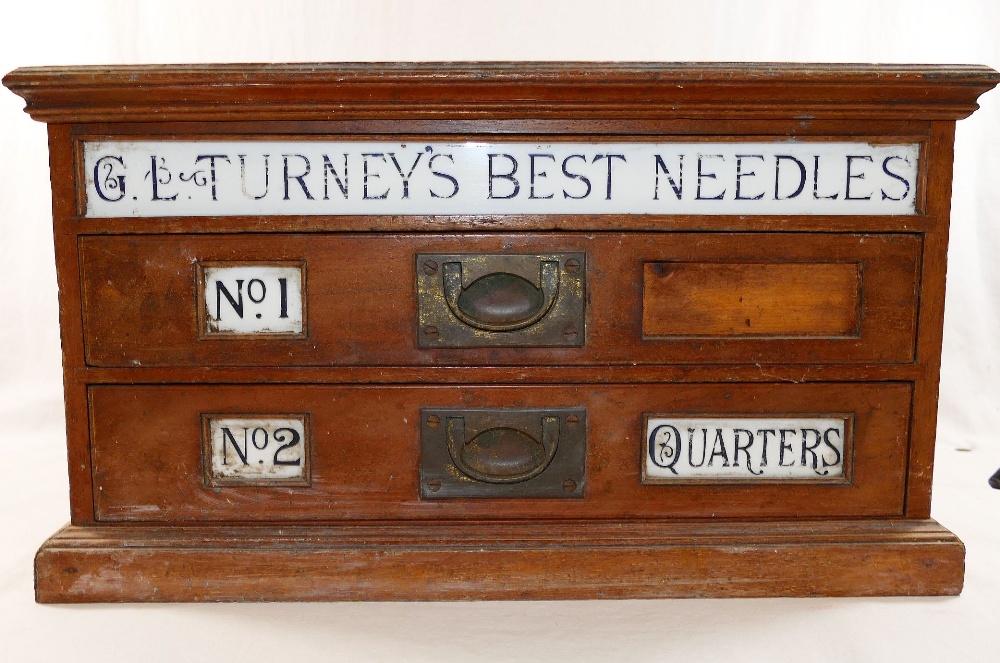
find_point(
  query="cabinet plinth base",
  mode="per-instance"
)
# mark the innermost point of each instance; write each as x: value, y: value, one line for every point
x: 487, y: 561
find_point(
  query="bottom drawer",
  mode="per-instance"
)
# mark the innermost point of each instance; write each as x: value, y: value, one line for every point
x: 333, y: 453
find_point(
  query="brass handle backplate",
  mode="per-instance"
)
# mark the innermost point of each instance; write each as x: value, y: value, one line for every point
x: 482, y: 300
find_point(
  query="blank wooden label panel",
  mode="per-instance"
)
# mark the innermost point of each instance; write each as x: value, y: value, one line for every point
x: 755, y: 299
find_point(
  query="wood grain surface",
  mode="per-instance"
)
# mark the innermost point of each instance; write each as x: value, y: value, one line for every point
x: 140, y: 309
x: 147, y: 457
x: 499, y: 90
x: 484, y: 561
x: 751, y: 299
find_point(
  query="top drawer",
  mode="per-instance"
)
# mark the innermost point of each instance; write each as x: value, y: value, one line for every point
x: 645, y: 298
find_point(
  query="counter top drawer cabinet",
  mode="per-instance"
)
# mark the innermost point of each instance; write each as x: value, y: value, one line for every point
x: 500, y: 330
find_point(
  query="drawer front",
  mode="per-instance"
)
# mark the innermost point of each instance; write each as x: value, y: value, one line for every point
x: 333, y: 453
x: 644, y: 298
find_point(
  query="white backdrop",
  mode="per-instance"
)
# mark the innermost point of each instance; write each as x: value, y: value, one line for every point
x: 33, y: 492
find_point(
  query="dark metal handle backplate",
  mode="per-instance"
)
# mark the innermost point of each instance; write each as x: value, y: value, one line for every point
x: 502, y: 452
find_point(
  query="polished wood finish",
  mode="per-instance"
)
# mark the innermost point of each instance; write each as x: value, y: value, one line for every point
x: 499, y: 90
x: 365, y: 442
x: 939, y: 155
x: 486, y: 561
x: 140, y: 309
x: 845, y: 314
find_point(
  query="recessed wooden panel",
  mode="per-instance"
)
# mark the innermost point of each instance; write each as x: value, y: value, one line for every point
x: 365, y: 457
x: 750, y: 299
x: 140, y: 305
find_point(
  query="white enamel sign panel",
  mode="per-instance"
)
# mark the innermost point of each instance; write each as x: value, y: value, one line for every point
x: 257, y: 450
x: 745, y: 448
x: 237, y: 178
x: 241, y: 299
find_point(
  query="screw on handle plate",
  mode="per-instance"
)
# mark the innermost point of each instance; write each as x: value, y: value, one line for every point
x: 503, y: 453
x: 508, y: 300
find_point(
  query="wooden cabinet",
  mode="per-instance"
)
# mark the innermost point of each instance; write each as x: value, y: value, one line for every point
x: 500, y: 330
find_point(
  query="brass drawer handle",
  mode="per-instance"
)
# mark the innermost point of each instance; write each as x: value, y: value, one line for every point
x: 501, y: 302
x: 502, y: 454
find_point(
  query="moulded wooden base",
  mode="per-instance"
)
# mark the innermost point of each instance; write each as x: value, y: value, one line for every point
x: 499, y: 561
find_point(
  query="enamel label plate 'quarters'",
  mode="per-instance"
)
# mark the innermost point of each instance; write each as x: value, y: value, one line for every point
x: 402, y: 331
